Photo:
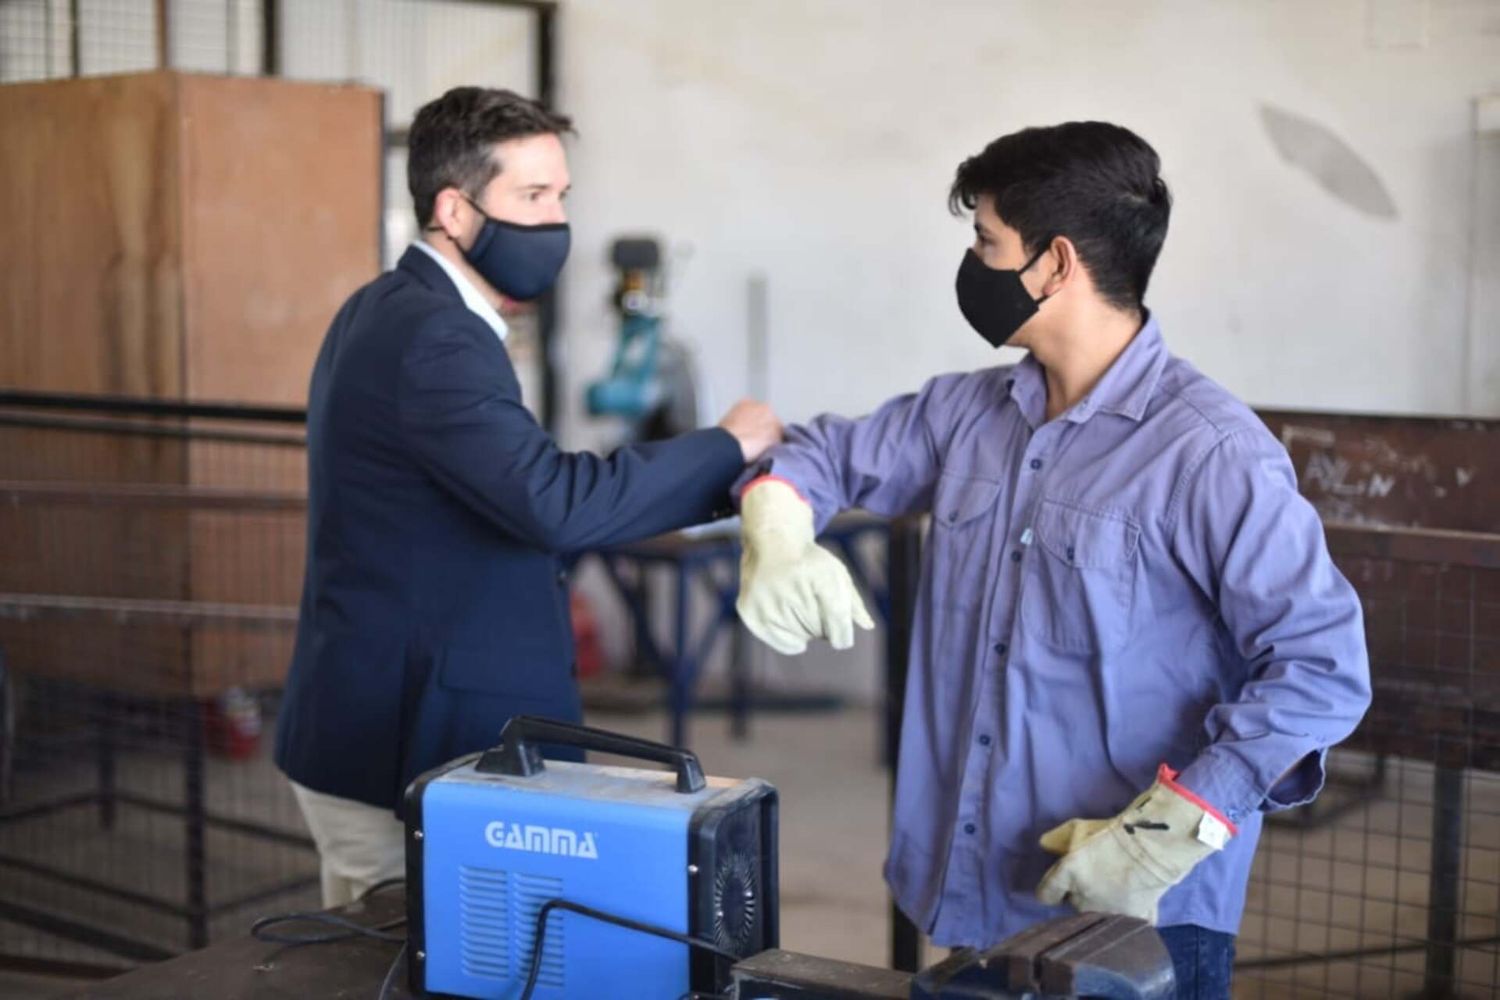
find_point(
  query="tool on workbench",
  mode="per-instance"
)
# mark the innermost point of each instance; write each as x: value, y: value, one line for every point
x: 584, y: 880
x: 1089, y: 955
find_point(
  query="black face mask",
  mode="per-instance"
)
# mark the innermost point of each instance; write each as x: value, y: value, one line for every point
x: 994, y: 301
x: 521, y: 262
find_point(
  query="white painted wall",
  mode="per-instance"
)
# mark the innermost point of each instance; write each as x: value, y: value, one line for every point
x: 814, y: 142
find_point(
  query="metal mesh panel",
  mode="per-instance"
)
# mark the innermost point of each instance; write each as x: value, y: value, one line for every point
x: 147, y: 608
x: 215, y: 36
x: 116, y: 36
x: 414, y: 49
x: 1390, y: 884
x: 33, y: 40
x: 39, y: 39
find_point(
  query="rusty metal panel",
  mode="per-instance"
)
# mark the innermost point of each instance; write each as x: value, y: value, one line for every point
x: 1429, y: 472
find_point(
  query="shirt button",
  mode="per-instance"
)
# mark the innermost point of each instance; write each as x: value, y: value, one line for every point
x: 562, y: 577
x: 1015, y: 556
x: 984, y: 741
x: 968, y: 828
x: 1036, y: 463
x: 1001, y: 648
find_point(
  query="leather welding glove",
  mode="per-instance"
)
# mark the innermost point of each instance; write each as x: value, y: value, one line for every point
x: 1126, y: 864
x: 791, y: 589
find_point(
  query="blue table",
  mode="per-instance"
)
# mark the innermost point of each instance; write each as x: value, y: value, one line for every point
x: 712, y: 556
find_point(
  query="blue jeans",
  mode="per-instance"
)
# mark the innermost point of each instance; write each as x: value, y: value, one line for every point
x: 1202, y: 960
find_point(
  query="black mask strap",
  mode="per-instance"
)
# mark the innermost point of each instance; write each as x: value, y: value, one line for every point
x: 1032, y: 261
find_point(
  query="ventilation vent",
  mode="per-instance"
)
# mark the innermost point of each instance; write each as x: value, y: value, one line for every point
x: 529, y: 893
x: 485, y: 923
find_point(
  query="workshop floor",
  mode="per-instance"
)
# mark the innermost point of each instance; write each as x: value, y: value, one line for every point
x: 1358, y: 882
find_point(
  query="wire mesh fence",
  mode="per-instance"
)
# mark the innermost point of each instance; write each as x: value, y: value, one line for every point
x: 147, y: 606
x: 1389, y: 886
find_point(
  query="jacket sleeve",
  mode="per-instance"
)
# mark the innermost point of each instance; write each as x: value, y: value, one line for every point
x: 460, y: 414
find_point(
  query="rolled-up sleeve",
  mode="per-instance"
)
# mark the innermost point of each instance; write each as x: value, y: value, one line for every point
x: 1256, y: 549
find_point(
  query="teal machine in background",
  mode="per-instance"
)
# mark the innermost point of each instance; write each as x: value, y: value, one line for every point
x: 633, y: 388
x: 651, y: 386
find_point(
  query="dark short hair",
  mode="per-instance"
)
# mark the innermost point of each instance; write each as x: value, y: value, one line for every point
x: 1095, y: 183
x: 452, y: 138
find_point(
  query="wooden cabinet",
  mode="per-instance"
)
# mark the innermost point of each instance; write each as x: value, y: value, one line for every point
x: 180, y: 237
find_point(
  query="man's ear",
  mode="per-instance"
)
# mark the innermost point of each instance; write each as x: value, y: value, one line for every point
x: 447, y: 212
x: 1060, y: 264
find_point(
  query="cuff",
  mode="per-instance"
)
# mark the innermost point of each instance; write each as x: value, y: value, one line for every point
x: 752, y: 473
x: 1167, y: 778
x: 1220, y: 777
x: 1300, y: 785
x: 757, y: 475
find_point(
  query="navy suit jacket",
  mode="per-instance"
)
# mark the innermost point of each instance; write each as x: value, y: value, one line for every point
x: 435, y: 604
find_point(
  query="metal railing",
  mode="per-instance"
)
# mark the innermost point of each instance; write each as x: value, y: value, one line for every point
x: 148, y: 585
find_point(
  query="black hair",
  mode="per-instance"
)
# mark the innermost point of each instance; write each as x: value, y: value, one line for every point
x: 1095, y: 183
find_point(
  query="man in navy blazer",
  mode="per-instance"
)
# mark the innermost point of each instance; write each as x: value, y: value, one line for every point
x: 435, y: 604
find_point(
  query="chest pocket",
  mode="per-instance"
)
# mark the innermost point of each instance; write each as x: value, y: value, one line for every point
x: 1079, y: 587
x: 963, y: 519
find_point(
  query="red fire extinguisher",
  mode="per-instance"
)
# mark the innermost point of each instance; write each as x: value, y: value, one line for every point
x: 586, y: 637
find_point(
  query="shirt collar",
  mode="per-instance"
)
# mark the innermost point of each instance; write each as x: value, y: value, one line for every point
x: 477, y: 303
x: 1125, y: 389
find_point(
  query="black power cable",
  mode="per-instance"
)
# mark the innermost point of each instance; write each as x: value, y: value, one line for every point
x: 609, y: 918
x: 346, y: 929
x: 390, y: 974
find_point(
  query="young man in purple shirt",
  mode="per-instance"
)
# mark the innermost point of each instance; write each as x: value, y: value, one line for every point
x: 1130, y: 641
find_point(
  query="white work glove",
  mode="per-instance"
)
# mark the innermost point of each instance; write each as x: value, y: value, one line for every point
x: 1126, y: 864
x: 791, y: 589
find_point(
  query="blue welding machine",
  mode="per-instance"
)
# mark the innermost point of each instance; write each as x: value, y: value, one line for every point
x: 493, y: 838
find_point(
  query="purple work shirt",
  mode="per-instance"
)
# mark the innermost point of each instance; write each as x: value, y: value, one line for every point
x: 1135, y: 582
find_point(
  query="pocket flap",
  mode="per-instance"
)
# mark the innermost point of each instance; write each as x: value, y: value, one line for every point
x: 1085, y: 538
x: 960, y: 498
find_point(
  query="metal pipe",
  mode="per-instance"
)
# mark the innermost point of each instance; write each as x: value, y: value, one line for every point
x: 15, y: 493
x: 902, y: 574
x: 223, y: 822
x: 72, y: 930
x: 92, y: 885
x: 163, y: 36
x: 270, y: 40
x: 90, y: 425
x: 1287, y: 961
x: 141, y: 406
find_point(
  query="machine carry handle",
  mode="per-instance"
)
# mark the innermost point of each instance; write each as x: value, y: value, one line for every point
x: 519, y: 755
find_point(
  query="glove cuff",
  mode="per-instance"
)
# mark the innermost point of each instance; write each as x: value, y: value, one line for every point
x: 775, y: 520
x: 769, y: 478
x: 1167, y: 778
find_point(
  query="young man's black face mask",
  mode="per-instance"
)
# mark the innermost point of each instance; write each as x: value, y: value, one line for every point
x: 994, y: 300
